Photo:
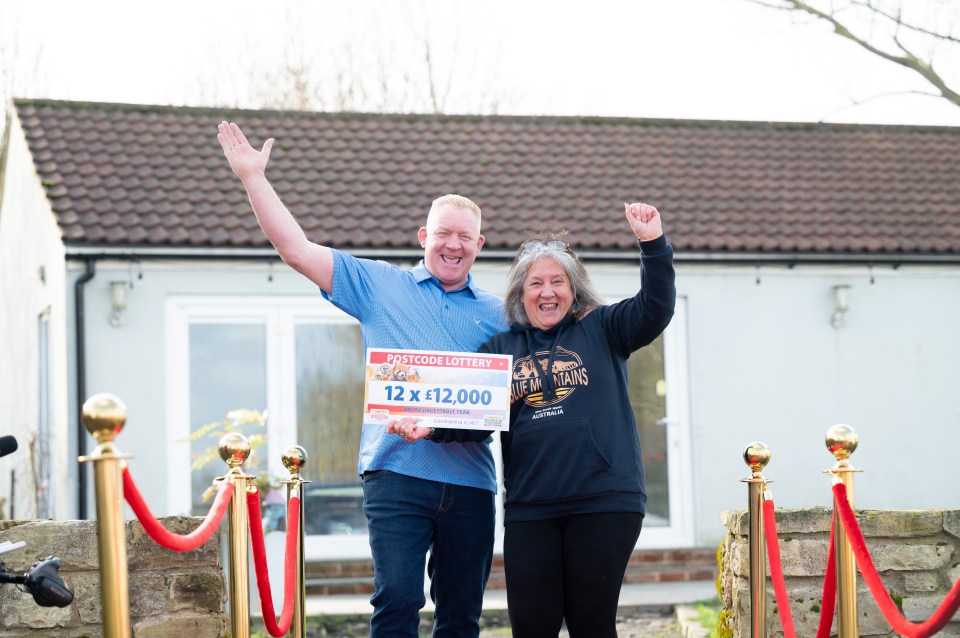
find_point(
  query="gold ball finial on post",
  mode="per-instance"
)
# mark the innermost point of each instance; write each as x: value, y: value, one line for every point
x: 104, y: 416
x: 294, y: 458
x: 756, y: 456
x: 234, y: 449
x: 841, y: 441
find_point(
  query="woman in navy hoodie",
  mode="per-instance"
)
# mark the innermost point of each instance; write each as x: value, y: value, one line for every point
x: 573, y: 476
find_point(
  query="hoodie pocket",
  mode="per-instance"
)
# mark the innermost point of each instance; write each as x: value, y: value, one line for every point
x: 556, y: 460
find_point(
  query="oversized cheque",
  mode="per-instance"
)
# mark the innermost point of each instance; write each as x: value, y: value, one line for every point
x: 442, y: 389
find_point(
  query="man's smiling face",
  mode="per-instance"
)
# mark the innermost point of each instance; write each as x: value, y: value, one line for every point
x: 451, y: 240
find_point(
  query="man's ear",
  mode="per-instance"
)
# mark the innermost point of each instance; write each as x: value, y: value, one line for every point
x: 480, y: 240
x: 422, y: 236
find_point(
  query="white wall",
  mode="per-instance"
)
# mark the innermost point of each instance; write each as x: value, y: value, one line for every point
x: 764, y: 364
x: 30, y: 245
x: 128, y: 361
x: 767, y: 365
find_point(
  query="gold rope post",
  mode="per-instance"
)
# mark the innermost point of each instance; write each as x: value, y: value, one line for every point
x: 841, y: 441
x: 234, y: 449
x: 757, y: 455
x: 294, y: 458
x: 104, y: 416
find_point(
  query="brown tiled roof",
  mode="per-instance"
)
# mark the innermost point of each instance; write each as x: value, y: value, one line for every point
x: 154, y: 176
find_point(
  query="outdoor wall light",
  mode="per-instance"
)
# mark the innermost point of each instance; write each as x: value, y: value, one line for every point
x: 118, y: 302
x: 840, y: 305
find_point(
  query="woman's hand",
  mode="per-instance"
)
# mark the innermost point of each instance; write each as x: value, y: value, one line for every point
x: 644, y: 220
x: 407, y: 428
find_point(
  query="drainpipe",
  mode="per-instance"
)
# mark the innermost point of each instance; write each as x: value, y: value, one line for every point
x: 79, y: 327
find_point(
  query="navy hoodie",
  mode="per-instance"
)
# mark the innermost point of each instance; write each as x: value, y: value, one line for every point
x: 572, y: 447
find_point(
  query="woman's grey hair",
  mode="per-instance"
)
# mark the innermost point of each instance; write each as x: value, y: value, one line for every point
x: 548, y: 245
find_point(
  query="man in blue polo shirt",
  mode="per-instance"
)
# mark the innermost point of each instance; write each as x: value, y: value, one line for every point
x: 420, y: 497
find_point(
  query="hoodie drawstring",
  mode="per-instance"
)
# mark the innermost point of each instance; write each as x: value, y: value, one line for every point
x: 546, y: 377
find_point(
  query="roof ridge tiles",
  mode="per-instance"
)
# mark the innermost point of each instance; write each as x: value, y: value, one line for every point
x: 179, y: 111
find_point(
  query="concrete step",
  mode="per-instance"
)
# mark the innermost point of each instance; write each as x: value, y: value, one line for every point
x: 645, y: 595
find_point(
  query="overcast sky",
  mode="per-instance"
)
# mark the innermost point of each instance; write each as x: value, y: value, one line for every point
x: 702, y: 59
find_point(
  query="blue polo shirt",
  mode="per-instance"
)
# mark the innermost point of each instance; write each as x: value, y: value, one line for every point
x: 409, y: 309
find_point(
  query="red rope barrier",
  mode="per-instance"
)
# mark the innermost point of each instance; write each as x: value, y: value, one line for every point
x: 901, y: 625
x: 829, y: 601
x: 776, y: 569
x: 164, y: 537
x: 274, y: 627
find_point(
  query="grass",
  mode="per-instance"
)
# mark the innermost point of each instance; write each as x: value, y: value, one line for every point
x: 707, y: 612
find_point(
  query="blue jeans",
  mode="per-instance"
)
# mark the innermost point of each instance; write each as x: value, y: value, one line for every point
x: 408, y: 516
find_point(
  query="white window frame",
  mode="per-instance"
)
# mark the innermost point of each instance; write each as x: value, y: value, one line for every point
x: 680, y: 532
x: 281, y: 312
x: 279, y: 315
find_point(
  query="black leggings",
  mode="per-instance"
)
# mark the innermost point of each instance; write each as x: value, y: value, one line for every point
x: 568, y: 568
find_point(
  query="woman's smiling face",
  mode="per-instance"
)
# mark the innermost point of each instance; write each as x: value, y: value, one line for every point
x: 547, y: 296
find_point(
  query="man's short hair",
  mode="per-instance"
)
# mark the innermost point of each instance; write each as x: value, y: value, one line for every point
x: 459, y: 201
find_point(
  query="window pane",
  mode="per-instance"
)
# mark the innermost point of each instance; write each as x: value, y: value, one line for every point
x: 227, y: 372
x: 330, y: 378
x: 648, y: 398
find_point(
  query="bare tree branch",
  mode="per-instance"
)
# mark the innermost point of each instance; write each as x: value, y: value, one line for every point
x: 904, y: 56
x: 897, y: 19
x: 20, y: 72
x: 435, y: 101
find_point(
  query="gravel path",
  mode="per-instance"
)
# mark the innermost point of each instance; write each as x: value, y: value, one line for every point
x: 632, y: 622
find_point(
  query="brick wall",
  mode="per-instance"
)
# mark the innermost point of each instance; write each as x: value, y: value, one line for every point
x: 916, y: 553
x: 172, y: 595
x: 645, y: 566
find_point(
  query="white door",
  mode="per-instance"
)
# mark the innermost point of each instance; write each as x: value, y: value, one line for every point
x: 658, y: 393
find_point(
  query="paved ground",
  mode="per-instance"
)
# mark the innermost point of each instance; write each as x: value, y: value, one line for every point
x: 632, y: 622
x: 645, y: 595
x: 646, y: 611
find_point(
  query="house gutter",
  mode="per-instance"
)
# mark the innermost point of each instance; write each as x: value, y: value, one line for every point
x: 410, y: 254
x: 79, y: 327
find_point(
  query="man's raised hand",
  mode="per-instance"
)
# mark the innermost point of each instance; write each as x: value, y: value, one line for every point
x: 244, y: 159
